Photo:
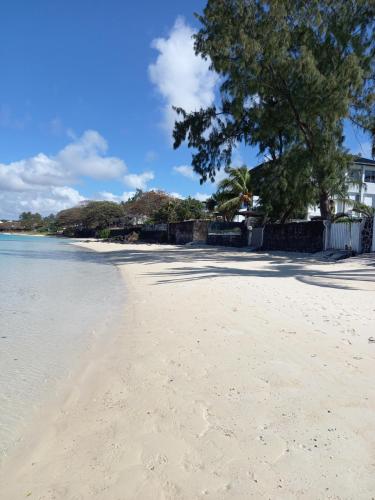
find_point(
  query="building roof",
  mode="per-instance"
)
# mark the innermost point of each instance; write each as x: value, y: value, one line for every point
x: 358, y: 160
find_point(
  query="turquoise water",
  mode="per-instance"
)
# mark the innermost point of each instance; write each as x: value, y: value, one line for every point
x: 54, y: 299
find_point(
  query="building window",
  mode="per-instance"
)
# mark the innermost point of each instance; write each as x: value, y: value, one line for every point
x: 355, y: 175
x: 369, y: 175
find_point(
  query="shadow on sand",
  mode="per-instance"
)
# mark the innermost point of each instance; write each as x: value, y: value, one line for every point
x: 219, y: 262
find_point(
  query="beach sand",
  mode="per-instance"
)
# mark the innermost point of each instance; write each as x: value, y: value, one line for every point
x: 236, y: 375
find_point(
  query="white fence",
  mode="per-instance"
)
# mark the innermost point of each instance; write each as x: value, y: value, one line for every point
x: 345, y: 236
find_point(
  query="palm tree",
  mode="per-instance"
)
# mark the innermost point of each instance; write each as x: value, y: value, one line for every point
x: 235, y: 191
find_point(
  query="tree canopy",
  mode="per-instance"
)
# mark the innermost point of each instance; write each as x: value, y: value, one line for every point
x: 291, y: 72
x: 90, y: 215
x: 30, y: 220
x: 177, y: 210
x: 145, y: 203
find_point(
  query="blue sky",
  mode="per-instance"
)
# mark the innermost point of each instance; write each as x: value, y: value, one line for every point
x: 85, y: 94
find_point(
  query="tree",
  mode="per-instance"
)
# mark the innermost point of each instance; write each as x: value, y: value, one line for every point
x: 90, y: 215
x: 71, y: 217
x: 177, y: 210
x: 49, y: 224
x: 30, y: 221
x: 292, y: 71
x: 235, y: 191
x: 101, y: 214
x: 284, y: 190
x: 145, y: 204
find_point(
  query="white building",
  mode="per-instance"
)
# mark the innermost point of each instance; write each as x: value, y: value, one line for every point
x: 363, y: 172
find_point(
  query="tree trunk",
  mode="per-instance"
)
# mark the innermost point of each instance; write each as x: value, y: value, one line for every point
x: 324, y: 205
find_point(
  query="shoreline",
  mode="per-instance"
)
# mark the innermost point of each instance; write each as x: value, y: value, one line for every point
x: 16, y: 233
x: 236, y: 375
x: 49, y: 325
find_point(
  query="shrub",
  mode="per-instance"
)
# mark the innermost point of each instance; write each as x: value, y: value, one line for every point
x: 104, y: 233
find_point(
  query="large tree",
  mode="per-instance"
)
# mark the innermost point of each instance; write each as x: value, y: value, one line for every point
x: 101, y: 214
x: 91, y: 214
x: 291, y: 72
x: 146, y: 203
x: 177, y: 210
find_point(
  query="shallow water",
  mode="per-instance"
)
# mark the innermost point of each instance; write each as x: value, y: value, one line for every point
x: 54, y: 298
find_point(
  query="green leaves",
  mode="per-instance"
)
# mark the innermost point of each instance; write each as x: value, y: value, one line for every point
x: 234, y: 191
x: 178, y: 210
x: 291, y: 73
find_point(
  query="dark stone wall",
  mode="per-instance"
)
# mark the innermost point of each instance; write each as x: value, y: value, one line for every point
x: 181, y: 233
x: 200, y: 230
x: 229, y: 234
x: 79, y: 233
x: 188, y: 231
x: 154, y: 233
x: 226, y: 240
x: 367, y: 234
x: 294, y: 237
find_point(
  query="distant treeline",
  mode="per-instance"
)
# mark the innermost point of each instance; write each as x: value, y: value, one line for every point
x: 144, y: 207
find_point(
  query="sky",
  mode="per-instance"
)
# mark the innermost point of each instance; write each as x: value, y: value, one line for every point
x: 86, y: 95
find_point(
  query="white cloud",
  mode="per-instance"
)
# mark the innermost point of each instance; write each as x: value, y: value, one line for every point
x: 43, y: 182
x: 177, y: 195
x: 83, y: 157
x: 45, y: 202
x: 201, y: 196
x: 86, y: 156
x: 125, y: 196
x: 182, y: 78
x: 138, y: 181
x: 186, y: 171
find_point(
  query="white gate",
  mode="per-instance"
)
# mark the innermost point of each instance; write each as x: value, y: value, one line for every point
x: 346, y: 236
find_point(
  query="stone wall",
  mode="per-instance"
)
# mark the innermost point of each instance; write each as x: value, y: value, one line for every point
x: 188, y: 231
x: 154, y: 233
x: 229, y: 234
x: 226, y: 240
x: 367, y: 234
x: 294, y: 237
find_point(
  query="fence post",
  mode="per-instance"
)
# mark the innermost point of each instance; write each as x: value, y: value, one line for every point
x: 373, y: 235
x: 327, y: 234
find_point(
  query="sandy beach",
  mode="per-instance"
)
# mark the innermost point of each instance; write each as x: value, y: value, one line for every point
x: 236, y: 375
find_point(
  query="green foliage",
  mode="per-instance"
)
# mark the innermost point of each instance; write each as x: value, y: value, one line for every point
x: 71, y: 217
x: 91, y: 215
x: 234, y: 191
x: 291, y: 72
x: 101, y: 214
x: 177, y: 210
x: 104, y: 233
x: 30, y: 221
x: 361, y: 208
x: 144, y: 204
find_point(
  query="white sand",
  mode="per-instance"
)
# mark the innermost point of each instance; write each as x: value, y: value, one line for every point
x: 236, y: 376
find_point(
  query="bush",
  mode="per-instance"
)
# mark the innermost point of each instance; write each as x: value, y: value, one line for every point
x: 104, y: 233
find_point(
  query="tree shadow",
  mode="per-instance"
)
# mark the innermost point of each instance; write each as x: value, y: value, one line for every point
x: 346, y: 280
x: 219, y: 262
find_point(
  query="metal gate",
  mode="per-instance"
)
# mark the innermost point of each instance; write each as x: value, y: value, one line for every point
x: 346, y: 236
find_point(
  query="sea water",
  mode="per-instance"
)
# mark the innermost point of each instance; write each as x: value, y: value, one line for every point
x: 55, y: 298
